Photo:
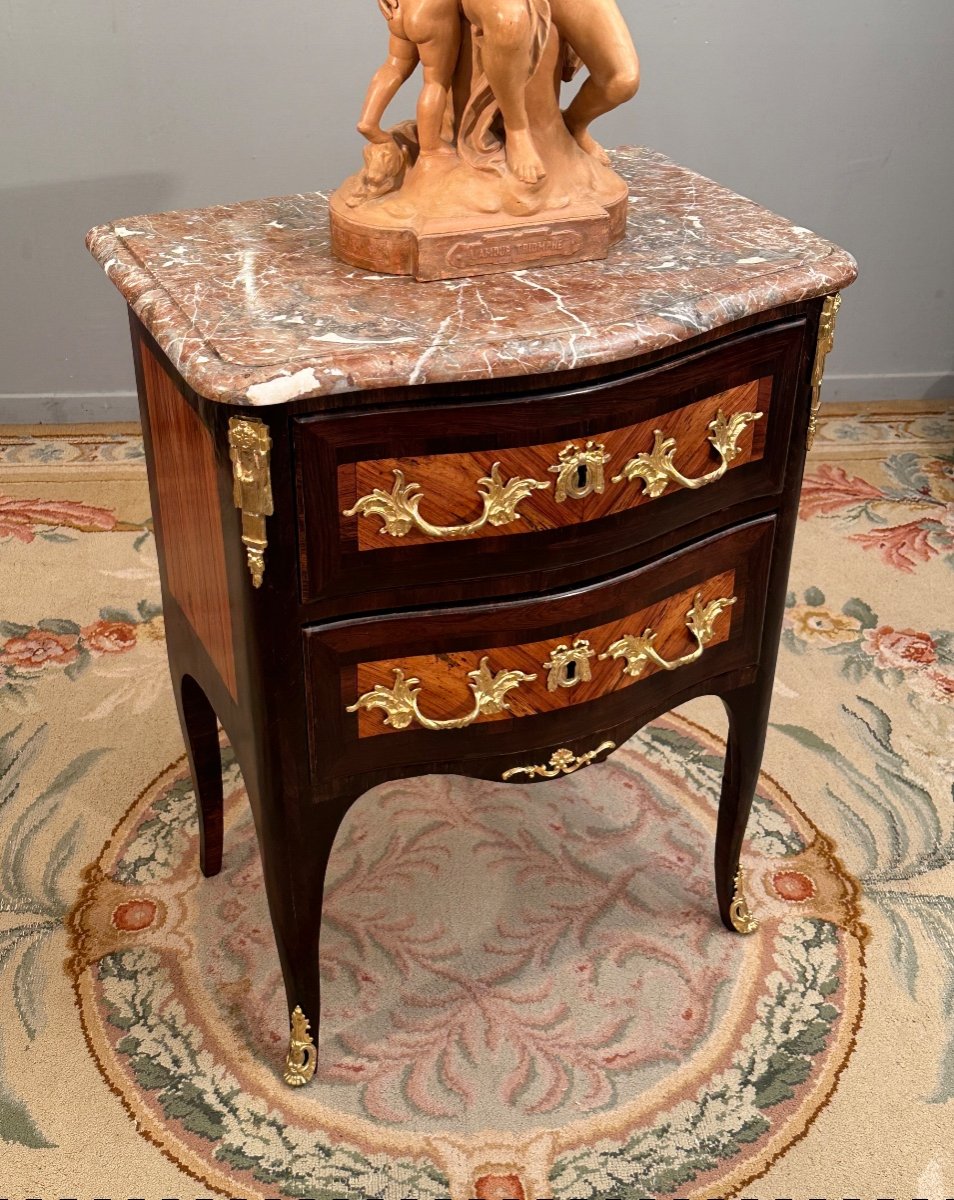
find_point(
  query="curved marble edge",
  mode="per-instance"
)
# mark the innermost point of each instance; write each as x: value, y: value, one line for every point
x: 371, y: 366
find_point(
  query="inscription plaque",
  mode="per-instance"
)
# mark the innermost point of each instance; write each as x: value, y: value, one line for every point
x: 511, y: 249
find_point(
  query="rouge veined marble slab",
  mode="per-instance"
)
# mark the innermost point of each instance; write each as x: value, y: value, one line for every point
x: 249, y: 305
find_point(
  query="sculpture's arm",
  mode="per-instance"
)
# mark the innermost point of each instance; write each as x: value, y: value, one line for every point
x: 402, y: 59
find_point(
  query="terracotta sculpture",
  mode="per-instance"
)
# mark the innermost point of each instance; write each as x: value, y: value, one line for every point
x: 492, y: 175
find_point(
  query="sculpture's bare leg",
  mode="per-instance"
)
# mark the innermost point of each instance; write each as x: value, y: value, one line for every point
x: 505, y: 32
x: 597, y: 32
x: 388, y: 79
x: 439, y: 60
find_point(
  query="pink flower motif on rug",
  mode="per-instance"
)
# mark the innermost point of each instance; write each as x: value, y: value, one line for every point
x: 901, y: 648
x: 38, y: 648
x: 499, y: 1187
x: 25, y: 653
x: 920, y: 661
x: 794, y: 886
x: 109, y: 637
x: 132, y: 916
x: 936, y: 685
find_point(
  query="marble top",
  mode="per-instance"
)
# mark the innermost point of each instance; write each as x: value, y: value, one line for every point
x: 251, y: 308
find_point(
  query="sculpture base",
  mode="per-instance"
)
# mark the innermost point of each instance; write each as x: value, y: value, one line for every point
x: 498, y: 242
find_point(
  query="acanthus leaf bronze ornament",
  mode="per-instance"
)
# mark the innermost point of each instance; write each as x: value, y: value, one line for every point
x: 826, y: 343
x: 569, y: 665
x: 657, y: 469
x: 562, y: 762
x: 399, y: 509
x: 640, y: 649
x: 742, y: 920
x: 302, y: 1057
x: 400, y: 701
x: 580, y: 472
x: 249, y: 451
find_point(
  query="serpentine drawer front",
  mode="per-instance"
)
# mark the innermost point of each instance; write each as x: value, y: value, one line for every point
x: 565, y: 478
x: 398, y: 689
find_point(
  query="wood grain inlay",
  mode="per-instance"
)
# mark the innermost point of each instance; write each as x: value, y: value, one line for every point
x: 445, y: 692
x: 189, y: 515
x: 448, y: 482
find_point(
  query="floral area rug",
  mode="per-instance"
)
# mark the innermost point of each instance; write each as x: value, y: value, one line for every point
x: 527, y: 993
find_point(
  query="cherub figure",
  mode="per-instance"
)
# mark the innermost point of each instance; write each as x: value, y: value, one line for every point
x: 429, y: 31
x: 510, y: 36
x: 425, y: 31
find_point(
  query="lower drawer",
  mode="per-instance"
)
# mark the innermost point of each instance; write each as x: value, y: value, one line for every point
x: 449, y: 685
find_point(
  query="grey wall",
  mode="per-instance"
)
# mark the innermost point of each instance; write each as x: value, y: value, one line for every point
x: 839, y: 115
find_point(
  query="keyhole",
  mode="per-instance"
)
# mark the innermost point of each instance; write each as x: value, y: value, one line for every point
x: 569, y: 672
x: 582, y: 476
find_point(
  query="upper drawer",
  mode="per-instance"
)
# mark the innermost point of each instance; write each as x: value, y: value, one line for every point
x: 532, y: 493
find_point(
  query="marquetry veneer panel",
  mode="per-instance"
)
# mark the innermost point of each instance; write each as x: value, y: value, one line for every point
x: 448, y: 483
x: 443, y: 677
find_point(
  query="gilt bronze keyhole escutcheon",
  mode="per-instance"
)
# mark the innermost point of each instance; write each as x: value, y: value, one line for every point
x: 580, y: 471
x: 569, y: 665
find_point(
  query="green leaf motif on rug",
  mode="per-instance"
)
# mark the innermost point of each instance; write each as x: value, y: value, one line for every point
x: 893, y: 823
x: 768, y: 831
x: 16, y: 1124
x: 37, y: 906
x: 167, y: 1058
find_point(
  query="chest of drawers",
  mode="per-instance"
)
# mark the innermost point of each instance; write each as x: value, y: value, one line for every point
x: 487, y: 528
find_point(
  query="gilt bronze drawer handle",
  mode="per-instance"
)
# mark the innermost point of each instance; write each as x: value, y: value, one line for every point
x: 567, y: 666
x: 638, y: 649
x: 400, y: 706
x: 580, y: 472
x: 657, y: 469
x: 562, y: 762
x: 399, y: 509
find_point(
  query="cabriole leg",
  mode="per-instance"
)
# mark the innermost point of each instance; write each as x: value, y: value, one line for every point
x: 200, y: 732
x: 748, y: 710
x: 296, y: 839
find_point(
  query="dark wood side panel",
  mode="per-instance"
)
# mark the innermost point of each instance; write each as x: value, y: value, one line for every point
x: 190, y: 515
